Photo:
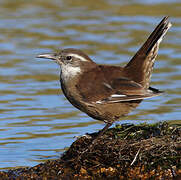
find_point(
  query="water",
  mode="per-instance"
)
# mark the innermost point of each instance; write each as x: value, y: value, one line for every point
x: 37, y: 123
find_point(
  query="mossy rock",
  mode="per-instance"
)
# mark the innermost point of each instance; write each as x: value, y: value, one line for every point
x: 124, y: 152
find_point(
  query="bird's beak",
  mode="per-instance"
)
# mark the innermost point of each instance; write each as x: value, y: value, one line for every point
x: 47, y: 56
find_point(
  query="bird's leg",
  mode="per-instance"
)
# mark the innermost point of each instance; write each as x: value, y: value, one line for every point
x: 100, y: 134
x: 96, y: 138
x: 102, y: 131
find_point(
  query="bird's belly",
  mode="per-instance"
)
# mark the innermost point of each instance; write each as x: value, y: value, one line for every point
x: 105, y: 111
x: 111, y: 111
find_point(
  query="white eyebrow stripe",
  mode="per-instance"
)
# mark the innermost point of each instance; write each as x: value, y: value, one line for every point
x: 78, y: 56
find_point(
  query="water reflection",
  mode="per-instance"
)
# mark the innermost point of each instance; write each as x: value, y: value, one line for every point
x: 37, y: 122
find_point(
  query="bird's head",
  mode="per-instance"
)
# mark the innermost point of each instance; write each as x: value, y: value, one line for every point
x: 72, y: 61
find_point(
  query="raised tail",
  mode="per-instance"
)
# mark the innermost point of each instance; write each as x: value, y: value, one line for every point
x: 140, y: 66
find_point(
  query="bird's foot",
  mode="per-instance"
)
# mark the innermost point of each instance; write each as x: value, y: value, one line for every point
x: 94, y: 141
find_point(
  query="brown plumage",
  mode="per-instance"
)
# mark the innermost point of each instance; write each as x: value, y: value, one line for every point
x: 105, y: 92
x: 140, y: 66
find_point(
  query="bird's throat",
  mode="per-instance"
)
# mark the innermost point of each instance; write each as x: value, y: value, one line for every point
x: 69, y: 73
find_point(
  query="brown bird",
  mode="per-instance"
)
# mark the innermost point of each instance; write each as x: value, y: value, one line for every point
x: 104, y: 92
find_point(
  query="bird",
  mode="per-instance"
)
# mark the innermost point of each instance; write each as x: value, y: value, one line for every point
x: 109, y: 92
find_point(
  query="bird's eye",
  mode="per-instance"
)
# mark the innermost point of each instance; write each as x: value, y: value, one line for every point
x: 68, y: 57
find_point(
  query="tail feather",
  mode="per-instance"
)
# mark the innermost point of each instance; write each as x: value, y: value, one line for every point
x: 140, y: 66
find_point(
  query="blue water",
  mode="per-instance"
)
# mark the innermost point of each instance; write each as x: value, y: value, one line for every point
x: 37, y: 123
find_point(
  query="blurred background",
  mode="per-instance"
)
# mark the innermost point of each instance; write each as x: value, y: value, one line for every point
x: 37, y: 123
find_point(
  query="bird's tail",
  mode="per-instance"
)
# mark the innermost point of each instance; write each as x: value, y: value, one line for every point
x: 140, y: 66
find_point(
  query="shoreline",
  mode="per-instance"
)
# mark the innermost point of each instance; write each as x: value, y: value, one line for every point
x: 126, y: 151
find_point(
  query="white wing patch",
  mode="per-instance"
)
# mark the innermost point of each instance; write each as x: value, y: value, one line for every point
x: 99, y: 102
x: 123, y: 98
x: 117, y: 95
x: 107, y: 85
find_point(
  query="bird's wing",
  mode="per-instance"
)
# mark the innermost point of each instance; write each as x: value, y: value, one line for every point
x: 123, y: 89
x: 97, y: 86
